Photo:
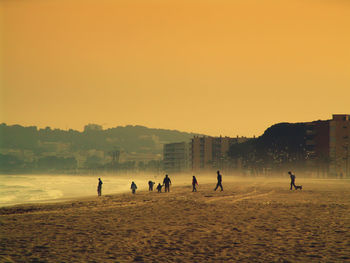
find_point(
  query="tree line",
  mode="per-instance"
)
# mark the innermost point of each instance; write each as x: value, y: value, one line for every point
x: 32, y: 148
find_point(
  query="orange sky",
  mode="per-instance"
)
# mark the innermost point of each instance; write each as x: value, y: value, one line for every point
x: 230, y: 67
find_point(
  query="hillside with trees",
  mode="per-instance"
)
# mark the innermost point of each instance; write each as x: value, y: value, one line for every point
x: 26, y: 149
x: 282, y: 146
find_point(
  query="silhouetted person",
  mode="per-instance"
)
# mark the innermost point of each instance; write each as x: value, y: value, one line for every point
x: 167, y: 183
x: 159, y: 188
x: 292, y: 180
x: 99, y: 187
x: 219, y: 182
x: 150, y: 185
x: 133, y: 187
x: 194, y: 183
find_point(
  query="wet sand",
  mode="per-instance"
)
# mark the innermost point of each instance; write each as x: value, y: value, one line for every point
x: 250, y: 221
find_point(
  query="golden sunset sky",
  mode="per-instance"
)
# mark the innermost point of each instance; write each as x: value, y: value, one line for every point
x: 216, y: 67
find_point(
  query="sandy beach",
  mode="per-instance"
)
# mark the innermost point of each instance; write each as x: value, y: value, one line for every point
x: 250, y: 221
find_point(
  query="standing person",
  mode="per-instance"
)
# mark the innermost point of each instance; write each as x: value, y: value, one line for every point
x: 194, y: 183
x: 167, y: 183
x: 292, y: 180
x: 159, y: 188
x: 99, y: 187
x: 219, y: 182
x: 150, y: 185
x: 133, y: 187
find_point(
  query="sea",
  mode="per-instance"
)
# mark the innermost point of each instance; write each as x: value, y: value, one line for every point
x: 23, y: 189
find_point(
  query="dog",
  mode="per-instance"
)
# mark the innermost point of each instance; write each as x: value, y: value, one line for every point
x: 300, y: 187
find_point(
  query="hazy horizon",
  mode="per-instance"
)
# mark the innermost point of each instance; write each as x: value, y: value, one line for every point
x: 38, y: 188
x: 122, y: 126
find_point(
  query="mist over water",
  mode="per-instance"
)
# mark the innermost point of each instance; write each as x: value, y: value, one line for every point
x: 20, y: 189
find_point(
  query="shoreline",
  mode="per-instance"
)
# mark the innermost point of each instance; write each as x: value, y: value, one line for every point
x: 230, y: 179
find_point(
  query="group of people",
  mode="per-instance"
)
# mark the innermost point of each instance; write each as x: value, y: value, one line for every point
x: 167, y: 183
x: 133, y: 187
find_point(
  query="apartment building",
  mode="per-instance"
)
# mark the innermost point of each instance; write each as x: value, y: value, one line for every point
x: 176, y: 157
x: 208, y: 153
x: 328, y: 145
x: 339, y: 144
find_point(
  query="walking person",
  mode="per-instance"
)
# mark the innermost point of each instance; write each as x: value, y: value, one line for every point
x: 133, y: 187
x: 150, y: 185
x: 194, y: 183
x: 167, y: 183
x: 99, y: 187
x: 219, y: 177
x: 292, y: 180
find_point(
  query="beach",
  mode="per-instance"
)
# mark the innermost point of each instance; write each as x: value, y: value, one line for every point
x: 255, y: 220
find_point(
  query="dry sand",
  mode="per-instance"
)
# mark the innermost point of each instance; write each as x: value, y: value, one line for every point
x: 250, y: 221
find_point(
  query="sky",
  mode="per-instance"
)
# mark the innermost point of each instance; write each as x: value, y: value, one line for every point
x: 216, y: 67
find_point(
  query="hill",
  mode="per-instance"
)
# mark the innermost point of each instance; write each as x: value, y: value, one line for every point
x: 41, y: 149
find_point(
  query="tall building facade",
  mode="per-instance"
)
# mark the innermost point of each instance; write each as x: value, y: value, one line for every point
x: 328, y: 145
x: 208, y: 153
x: 317, y: 145
x: 339, y: 146
x: 176, y: 157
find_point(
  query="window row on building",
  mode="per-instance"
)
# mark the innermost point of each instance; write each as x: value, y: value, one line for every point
x: 201, y: 153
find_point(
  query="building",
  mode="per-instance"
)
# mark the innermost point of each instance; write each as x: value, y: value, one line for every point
x: 176, y: 157
x: 317, y: 146
x: 208, y: 153
x: 328, y: 145
x: 339, y: 143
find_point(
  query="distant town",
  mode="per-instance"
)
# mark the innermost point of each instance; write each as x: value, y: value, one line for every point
x: 318, y: 148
